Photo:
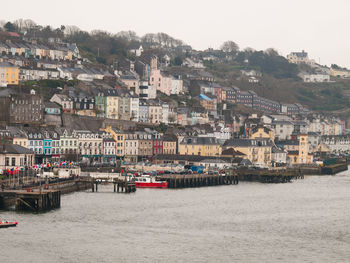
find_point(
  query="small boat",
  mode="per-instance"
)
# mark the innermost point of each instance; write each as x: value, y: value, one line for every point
x: 5, y: 224
x: 149, y: 182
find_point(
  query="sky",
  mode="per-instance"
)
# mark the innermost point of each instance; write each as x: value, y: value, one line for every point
x: 320, y: 27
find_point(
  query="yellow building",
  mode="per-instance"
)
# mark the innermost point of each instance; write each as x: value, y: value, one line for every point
x: 8, y: 74
x: 258, y: 151
x: 341, y: 73
x: 21, y: 141
x: 202, y: 146
x: 301, y: 156
x: 169, y: 145
x: 112, y: 105
x: 119, y: 137
x: 261, y: 132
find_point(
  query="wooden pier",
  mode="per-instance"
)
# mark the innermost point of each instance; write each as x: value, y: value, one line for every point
x: 198, y: 180
x: 269, y: 176
x: 120, y: 185
x: 334, y: 169
x: 31, y: 200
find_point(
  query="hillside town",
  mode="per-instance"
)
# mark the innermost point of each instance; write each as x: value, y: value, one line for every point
x: 144, y: 109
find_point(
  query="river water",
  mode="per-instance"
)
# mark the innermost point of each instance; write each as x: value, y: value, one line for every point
x: 304, y: 221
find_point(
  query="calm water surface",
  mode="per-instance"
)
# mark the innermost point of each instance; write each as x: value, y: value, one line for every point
x: 304, y: 221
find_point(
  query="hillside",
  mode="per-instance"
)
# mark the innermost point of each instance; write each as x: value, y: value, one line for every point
x: 279, y: 79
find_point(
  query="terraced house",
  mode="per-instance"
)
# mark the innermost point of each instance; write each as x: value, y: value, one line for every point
x: 258, y: 151
x: 202, y: 146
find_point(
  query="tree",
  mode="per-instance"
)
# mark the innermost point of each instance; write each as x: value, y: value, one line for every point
x: 9, y: 27
x: 177, y: 61
x: 271, y: 52
x: 71, y: 30
x: 128, y: 35
x: 229, y: 47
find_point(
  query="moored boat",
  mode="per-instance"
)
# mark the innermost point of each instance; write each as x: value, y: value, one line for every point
x: 5, y: 224
x: 149, y: 182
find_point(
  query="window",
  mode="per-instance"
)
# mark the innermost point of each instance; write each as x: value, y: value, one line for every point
x: 13, y: 161
x: 7, y: 161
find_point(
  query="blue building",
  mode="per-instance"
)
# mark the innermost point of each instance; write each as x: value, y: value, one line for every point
x: 52, y: 108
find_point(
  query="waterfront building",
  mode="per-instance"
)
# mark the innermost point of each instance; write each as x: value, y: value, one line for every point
x: 258, y: 151
x: 13, y: 156
x: 109, y: 149
x: 131, y: 147
x: 169, y: 144
x: 202, y: 146
x: 90, y: 146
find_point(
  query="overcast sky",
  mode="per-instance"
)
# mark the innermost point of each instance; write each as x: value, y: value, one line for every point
x: 320, y: 27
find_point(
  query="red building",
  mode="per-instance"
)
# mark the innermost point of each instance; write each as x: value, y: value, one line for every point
x: 218, y: 93
x: 157, y: 146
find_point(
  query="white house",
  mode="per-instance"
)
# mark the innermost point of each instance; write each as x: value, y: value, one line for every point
x: 315, y: 77
x: 136, y: 51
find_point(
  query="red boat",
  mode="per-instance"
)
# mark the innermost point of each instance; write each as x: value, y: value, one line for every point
x: 149, y: 182
x: 5, y: 224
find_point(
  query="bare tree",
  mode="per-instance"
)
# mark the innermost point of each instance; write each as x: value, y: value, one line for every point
x: 19, y: 23
x: 249, y: 50
x: 128, y: 35
x: 229, y: 47
x: 71, y: 30
x: 29, y: 24
x: 271, y: 52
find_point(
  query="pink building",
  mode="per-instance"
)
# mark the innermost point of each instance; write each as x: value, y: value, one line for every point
x: 161, y: 81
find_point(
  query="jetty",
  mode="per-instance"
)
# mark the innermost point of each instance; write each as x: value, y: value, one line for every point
x: 120, y: 185
x: 198, y: 180
x: 269, y: 176
x: 36, y: 200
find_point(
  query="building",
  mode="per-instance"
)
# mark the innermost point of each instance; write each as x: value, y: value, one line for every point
x: 283, y: 129
x: 90, y: 146
x: 155, y: 112
x: 258, y: 151
x: 23, y: 108
x: 169, y: 145
x: 13, y: 156
x: 301, y: 156
x: 208, y: 103
x: 145, y: 143
x: 9, y: 74
x: 69, y: 146
x: 119, y: 137
x: 261, y: 132
x: 337, y: 144
x: 147, y: 91
x: 300, y: 57
x: 202, y: 146
x: 315, y: 77
x: 131, y: 147
x: 340, y: 73
x: 109, y: 149
x: 52, y: 108
x: 278, y: 156
x: 64, y: 101
x: 131, y: 82
x: 112, y: 104
x: 124, y: 112
x: 143, y: 111
x: 134, y: 107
